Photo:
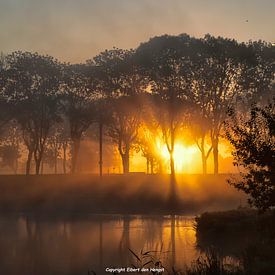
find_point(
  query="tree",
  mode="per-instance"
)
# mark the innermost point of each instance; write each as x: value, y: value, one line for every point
x: 123, y: 127
x: 120, y: 83
x: 65, y: 143
x: 103, y: 118
x: 57, y: 146
x: 5, y: 110
x: 78, y: 97
x: 9, y: 155
x: 10, y: 148
x: 254, y: 150
x: 226, y: 74
x: 200, y: 131
x: 32, y: 87
x: 147, y: 145
x: 165, y: 60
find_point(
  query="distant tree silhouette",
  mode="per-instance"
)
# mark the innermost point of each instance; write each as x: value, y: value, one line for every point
x: 77, y: 98
x: 254, y: 143
x: 5, y: 110
x: 32, y: 86
x: 121, y: 83
x: 103, y: 118
x: 10, y: 146
x: 57, y: 146
x: 165, y: 85
x: 165, y: 59
x: 148, y: 147
x: 124, y: 126
x: 119, y: 73
x: 225, y: 74
x: 65, y: 143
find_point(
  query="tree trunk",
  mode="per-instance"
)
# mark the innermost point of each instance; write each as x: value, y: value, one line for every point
x: 76, y: 147
x: 64, y: 158
x: 55, y: 161
x: 125, y: 162
x: 172, y: 164
x: 204, y: 164
x: 147, y: 165
x: 152, y: 165
x: 215, y: 144
x: 203, y: 156
x: 42, y: 167
x: 37, y: 165
x: 100, y: 149
x: 28, y: 163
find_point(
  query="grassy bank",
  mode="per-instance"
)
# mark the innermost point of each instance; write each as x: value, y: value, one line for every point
x: 244, y: 235
x: 133, y: 194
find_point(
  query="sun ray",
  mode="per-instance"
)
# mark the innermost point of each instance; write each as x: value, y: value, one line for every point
x: 183, y: 156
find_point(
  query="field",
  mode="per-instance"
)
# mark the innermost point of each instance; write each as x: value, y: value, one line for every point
x: 118, y: 194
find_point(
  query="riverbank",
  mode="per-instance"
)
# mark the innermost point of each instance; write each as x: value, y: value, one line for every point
x: 115, y: 194
x: 244, y: 235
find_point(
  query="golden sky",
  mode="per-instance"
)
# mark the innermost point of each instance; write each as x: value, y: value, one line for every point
x: 76, y: 30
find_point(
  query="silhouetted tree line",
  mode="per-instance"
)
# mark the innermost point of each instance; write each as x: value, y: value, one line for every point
x: 166, y: 85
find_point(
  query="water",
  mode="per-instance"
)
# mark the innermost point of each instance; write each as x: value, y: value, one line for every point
x: 76, y: 245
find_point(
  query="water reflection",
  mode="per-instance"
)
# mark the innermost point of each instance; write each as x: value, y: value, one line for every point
x: 31, y: 245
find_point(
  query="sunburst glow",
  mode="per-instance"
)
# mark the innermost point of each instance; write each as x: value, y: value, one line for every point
x: 184, y: 156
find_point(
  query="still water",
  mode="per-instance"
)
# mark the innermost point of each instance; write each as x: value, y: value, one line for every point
x: 75, y: 245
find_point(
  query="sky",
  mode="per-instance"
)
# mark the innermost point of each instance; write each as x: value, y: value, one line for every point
x: 76, y: 30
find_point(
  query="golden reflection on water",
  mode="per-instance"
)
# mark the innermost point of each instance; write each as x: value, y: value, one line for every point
x: 76, y: 245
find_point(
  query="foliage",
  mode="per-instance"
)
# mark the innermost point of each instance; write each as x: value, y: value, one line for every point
x: 174, y: 81
x: 9, y: 155
x: 77, y: 97
x: 10, y: 146
x: 240, y: 234
x: 32, y: 86
x: 254, y: 143
x: 121, y: 81
x: 212, y: 264
x: 123, y: 126
x: 147, y: 259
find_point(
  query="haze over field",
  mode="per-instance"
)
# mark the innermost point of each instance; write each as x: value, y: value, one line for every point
x: 77, y: 30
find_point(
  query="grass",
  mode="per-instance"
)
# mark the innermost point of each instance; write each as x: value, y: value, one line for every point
x: 208, y: 264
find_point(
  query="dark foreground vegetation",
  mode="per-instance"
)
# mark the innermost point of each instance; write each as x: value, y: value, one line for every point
x: 244, y: 235
x: 133, y: 193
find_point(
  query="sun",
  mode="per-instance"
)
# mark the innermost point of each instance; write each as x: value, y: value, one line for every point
x: 184, y: 156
